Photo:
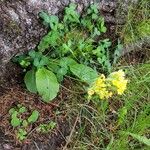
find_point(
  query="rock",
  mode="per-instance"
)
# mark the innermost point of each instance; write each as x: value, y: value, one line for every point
x: 136, y: 46
x: 7, y: 147
x: 21, y: 29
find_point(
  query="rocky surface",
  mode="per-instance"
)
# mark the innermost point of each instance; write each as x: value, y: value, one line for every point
x: 21, y: 29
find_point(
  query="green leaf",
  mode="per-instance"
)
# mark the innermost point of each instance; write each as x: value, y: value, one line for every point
x: 60, y: 74
x: 47, y: 84
x: 45, y: 128
x: 34, y: 116
x: 117, y: 52
x: 54, y: 22
x: 36, y: 62
x: 87, y: 23
x: 103, y: 29
x: 96, y: 32
x: 84, y: 73
x: 61, y: 26
x: 105, y: 43
x: 29, y: 80
x: 11, y: 111
x: 140, y: 138
x: 49, y: 20
x: 93, y: 9
x: 14, y: 120
x: 101, y: 25
x: 65, y: 49
x: 44, y: 61
x: 94, y: 16
x: 48, y: 40
x: 45, y: 17
x: 53, y: 66
x: 70, y: 14
x: 25, y: 123
x: 52, y: 125
x: 65, y: 62
x: 21, y: 134
x: 122, y: 114
x: 22, y: 109
x: 32, y: 54
x: 25, y: 63
x: 15, y: 113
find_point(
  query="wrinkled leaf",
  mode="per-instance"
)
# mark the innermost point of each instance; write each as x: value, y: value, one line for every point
x: 47, y: 84
x: 84, y: 73
x: 29, y: 80
x: 66, y: 62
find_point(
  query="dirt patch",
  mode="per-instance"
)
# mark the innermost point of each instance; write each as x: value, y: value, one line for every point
x: 9, y: 98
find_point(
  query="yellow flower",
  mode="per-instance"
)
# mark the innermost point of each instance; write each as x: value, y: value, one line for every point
x: 118, y: 74
x: 100, y: 80
x: 106, y: 87
x: 122, y: 87
x: 119, y: 81
x: 90, y: 92
x: 100, y: 88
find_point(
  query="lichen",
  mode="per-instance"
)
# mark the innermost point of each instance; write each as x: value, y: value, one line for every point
x: 12, y: 27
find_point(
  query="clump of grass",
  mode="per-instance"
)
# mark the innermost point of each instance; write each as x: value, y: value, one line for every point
x: 137, y: 24
x: 136, y: 102
x: 110, y: 124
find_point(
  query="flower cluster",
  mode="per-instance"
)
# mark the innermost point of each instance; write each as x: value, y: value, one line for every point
x: 118, y: 80
x: 106, y: 87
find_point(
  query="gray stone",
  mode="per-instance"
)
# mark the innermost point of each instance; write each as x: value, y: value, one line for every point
x: 21, y: 29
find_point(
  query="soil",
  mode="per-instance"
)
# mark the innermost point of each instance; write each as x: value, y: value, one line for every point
x: 10, y: 97
x: 14, y: 93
